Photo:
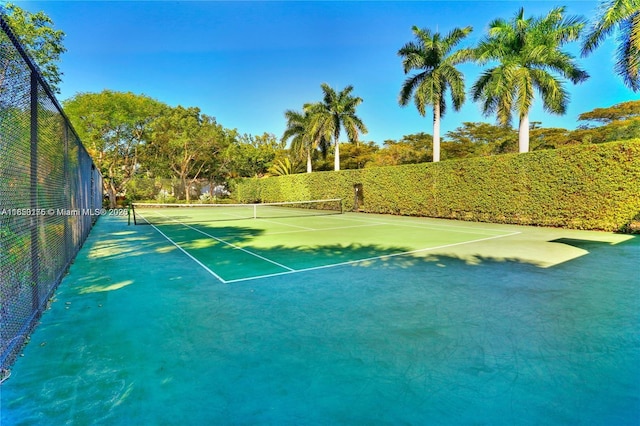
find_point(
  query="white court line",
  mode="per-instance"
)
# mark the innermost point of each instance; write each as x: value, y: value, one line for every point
x: 230, y: 244
x: 238, y: 248
x: 187, y: 253
x: 351, y: 262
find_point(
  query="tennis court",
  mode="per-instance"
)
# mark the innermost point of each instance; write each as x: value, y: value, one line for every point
x: 284, y: 238
x: 335, y: 319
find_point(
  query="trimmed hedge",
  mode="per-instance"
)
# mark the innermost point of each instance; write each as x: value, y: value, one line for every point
x: 581, y: 187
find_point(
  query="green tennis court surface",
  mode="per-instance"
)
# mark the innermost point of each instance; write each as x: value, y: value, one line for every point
x: 284, y: 243
x: 337, y: 319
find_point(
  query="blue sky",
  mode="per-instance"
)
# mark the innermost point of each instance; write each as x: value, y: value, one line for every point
x: 246, y: 62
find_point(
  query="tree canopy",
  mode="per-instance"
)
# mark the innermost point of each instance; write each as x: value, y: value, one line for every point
x: 185, y: 144
x: 113, y: 127
x: 623, y: 111
x: 41, y: 40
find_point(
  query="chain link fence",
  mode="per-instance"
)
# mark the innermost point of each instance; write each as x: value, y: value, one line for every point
x: 50, y: 195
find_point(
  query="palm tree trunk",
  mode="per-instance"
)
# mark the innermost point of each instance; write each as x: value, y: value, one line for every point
x: 436, y: 131
x: 523, y: 133
x: 336, y: 161
x: 308, y: 160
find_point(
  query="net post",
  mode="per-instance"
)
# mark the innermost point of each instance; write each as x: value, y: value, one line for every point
x: 133, y: 212
x: 255, y: 211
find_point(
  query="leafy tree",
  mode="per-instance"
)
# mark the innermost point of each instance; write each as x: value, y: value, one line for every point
x: 550, y: 138
x: 529, y: 59
x: 432, y: 55
x: 617, y: 122
x: 357, y: 155
x: 188, y: 143
x: 623, y: 111
x: 324, y: 163
x: 394, y: 153
x: 42, y: 42
x: 336, y: 110
x: 615, y: 131
x: 480, y: 139
x: 251, y: 156
x: 458, y: 149
x: 218, y: 169
x: 113, y: 127
x: 411, y: 149
x: 623, y: 15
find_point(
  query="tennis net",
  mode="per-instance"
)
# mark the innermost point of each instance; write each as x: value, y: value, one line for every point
x: 163, y: 213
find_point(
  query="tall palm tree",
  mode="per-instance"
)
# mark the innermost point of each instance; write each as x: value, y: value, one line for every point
x: 625, y: 15
x: 301, y: 135
x: 431, y: 53
x: 336, y: 110
x: 529, y: 58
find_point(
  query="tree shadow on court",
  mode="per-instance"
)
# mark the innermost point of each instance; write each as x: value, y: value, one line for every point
x: 120, y: 256
x: 116, y: 256
x: 381, y: 256
x: 365, y: 255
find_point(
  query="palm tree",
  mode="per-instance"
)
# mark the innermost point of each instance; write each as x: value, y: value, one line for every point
x: 529, y: 56
x: 336, y: 110
x: 303, y: 140
x: 431, y: 54
x: 625, y: 15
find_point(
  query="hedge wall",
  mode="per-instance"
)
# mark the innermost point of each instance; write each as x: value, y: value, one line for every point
x: 582, y: 187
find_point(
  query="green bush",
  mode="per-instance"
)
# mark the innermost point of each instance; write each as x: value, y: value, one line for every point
x: 580, y: 187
